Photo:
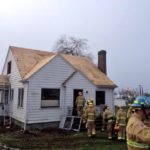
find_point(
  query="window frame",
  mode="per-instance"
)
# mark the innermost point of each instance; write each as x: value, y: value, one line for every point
x: 20, y: 97
x: 1, y: 97
x: 9, y: 67
x: 100, y: 97
x: 46, y: 99
x: 11, y: 94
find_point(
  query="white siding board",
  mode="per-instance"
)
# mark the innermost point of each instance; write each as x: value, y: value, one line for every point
x: 52, y: 75
x: 17, y: 113
x: 108, y: 97
x: 78, y: 81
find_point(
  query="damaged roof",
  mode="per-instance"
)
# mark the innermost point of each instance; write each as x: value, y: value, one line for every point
x: 29, y: 61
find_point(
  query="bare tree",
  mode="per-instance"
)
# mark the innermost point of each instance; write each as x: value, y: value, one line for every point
x: 73, y: 46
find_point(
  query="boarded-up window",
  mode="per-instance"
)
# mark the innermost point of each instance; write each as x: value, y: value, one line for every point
x: 20, y: 97
x: 9, y: 67
x: 50, y: 97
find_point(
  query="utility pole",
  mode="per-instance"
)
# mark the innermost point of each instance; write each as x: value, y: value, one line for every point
x: 140, y: 89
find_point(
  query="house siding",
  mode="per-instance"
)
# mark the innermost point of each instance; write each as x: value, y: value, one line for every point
x: 52, y: 75
x: 79, y: 81
x: 109, y: 100
x: 14, y: 77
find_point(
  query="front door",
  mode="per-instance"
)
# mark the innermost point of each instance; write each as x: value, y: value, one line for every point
x: 75, y: 94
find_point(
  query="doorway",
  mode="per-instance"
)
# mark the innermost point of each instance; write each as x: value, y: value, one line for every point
x: 75, y: 94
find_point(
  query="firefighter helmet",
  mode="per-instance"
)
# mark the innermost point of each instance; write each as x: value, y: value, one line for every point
x: 90, y: 104
x: 90, y: 101
x: 141, y: 102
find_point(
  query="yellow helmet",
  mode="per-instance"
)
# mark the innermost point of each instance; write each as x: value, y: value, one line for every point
x: 90, y: 104
x: 90, y: 100
x: 129, y: 104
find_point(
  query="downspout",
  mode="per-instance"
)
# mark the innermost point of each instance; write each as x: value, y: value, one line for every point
x: 113, y: 101
x: 10, y: 107
x: 25, y: 121
x: 64, y: 87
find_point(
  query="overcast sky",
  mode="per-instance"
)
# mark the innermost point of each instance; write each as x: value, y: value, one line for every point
x: 121, y: 27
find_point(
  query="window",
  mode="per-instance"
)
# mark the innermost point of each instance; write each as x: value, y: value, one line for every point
x: 4, y: 96
x: 1, y: 97
x: 20, y: 97
x: 71, y: 123
x: 9, y: 67
x: 11, y: 94
x: 50, y: 97
x: 100, y: 97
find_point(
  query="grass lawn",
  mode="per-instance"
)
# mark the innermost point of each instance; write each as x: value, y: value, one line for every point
x: 55, y: 139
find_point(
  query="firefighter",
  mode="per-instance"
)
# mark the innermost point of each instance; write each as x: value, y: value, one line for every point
x: 108, y: 121
x: 84, y: 110
x: 129, y: 113
x: 138, y: 134
x: 121, y: 119
x: 91, y: 101
x: 90, y: 115
x: 80, y: 100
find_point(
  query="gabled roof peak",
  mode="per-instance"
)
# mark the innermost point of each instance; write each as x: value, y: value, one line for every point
x: 30, y: 61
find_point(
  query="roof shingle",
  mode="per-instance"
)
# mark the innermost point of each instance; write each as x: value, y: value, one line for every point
x: 30, y: 61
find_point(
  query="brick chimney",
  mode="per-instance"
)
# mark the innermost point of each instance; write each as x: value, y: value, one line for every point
x: 102, y: 61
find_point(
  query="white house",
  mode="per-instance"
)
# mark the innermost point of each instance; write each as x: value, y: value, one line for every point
x: 38, y: 87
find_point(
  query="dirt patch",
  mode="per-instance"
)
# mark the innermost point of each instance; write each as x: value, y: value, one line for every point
x: 46, y: 138
x: 53, y: 138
